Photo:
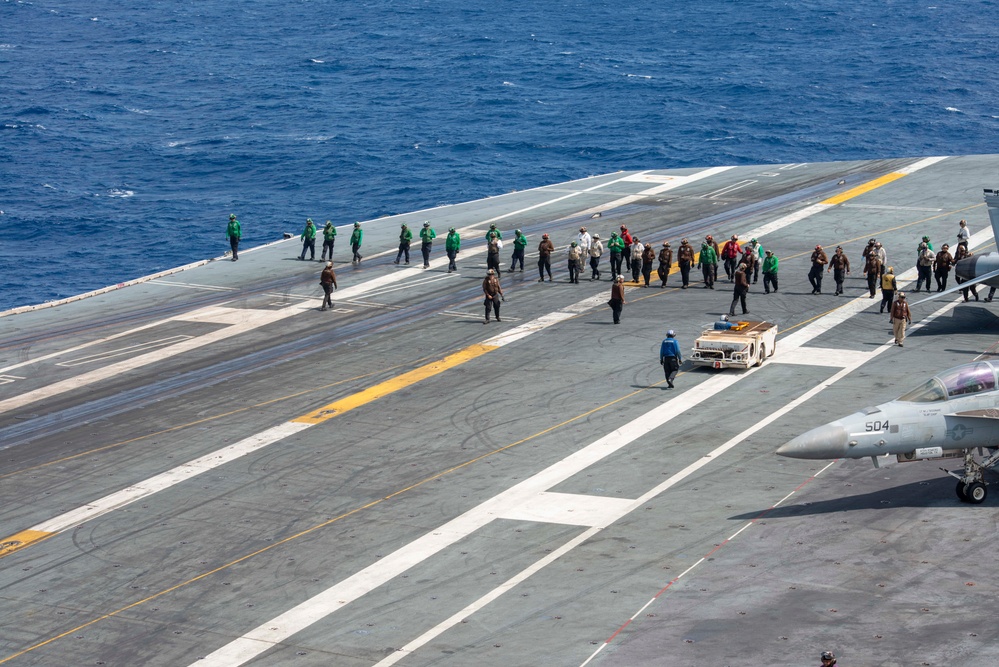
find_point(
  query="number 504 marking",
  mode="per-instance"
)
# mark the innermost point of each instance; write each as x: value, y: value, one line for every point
x: 876, y: 426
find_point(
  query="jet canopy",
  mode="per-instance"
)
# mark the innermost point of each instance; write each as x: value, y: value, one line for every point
x: 956, y: 382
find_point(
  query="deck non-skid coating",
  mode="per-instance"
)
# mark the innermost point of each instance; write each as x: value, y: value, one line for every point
x: 518, y: 493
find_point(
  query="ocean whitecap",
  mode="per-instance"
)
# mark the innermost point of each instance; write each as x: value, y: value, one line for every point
x: 954, y: 109
x: 119, y: 193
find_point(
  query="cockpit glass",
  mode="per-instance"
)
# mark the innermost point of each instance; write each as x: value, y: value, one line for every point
x: 960, y: 381
x: 970, y: 379
x: 931, y: 390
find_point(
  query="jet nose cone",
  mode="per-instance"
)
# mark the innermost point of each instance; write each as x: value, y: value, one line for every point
x: 824, y: 442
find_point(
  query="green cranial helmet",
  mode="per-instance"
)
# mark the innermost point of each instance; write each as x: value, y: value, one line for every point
x: 232, y: 216
x: 308, y: 221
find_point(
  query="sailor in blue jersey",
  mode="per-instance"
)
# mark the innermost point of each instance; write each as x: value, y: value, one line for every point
x: 670, y: 357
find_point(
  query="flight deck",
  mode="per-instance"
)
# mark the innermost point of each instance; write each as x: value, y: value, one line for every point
x: 203, y: 468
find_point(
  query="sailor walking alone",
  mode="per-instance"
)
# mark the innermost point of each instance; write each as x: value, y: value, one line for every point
x: 355, y: 242
x: 669, y: 357
x: 617, y: 298
x: 900, y: 317
x: 234, y: 232
x: 741, y: 290
x: 328, y: 282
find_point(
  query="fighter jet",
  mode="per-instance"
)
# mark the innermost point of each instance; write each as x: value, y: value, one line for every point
x: 977, y: 269
x: 952, y: 415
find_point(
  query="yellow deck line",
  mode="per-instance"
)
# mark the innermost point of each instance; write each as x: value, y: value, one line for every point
x: 393, y: 385
x: 20, y: 540
x: 861, y: 189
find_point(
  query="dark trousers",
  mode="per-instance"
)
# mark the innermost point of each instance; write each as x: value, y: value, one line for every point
x: 636, y: 269
x: 328, y: 245
x: 615, y: 260
x: 768, y: 280
x: 730, y: 264
x: 403, y: 250
x: 234, y: 244
x: 616, y: 308
x: 756, y: 271
x: 839, y: 275
x: 545, y: 264
x: 887, y: 299
x: 451, y: 255
x: 872, y: 282
x: 646, y: 272
x: 328, y: 289
x: 310, y: 245
x: 627, y: 256
x: 594, y: 271
x: 494, y: 304
x: 663, y: 272
x: 356, y: 248
x: 685, y: 273
x: 425, y: 249
x: 573, y: 271
x: 707, y: 271
x: 941, y: 277
x: 739, y: 295
x: 518, y: 256
x: 492, y: 261
x: 923, y: 273
x: 815, y: 277
x: 671, y: 366
x: 964, y: 292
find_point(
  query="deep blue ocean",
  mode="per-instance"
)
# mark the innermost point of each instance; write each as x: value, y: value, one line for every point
x: 130, y: 130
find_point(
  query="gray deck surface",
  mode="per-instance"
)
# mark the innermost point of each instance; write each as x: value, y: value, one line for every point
x: 466, y: 514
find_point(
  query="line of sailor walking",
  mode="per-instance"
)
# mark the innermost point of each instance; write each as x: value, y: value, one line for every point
x: 742, y: 264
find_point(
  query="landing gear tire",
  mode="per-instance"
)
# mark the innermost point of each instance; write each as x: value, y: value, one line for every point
x: 763, y: 355
x: 960, y: 492
x: 975, y: 493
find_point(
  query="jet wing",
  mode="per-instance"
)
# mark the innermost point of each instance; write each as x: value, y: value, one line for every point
x: 965, y: 285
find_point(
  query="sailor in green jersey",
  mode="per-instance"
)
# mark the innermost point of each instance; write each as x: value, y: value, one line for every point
x: 616, y: 247
x: 519, y: 243
x: 770, y: 266
x: 329, y: 238
x: 707, y: 261
x: 355, y: 242
x: 493, y: 230
x: 405, y: 238
x: 309, y: 239
x: 452, y: 244
x: 234, y: 232
x: 427, y: 236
